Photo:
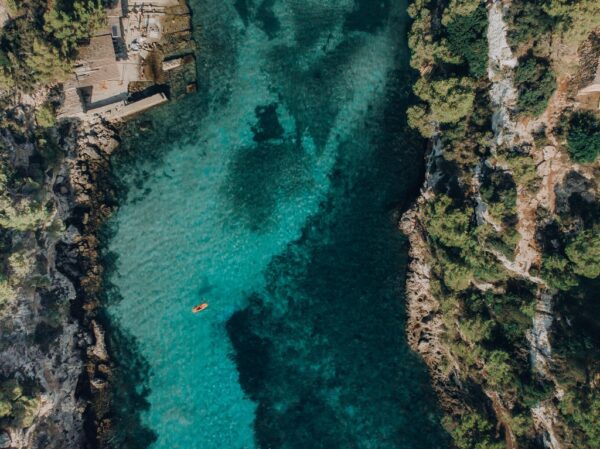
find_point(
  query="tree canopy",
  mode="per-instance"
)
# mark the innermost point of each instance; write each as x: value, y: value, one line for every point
x: 584, y: 137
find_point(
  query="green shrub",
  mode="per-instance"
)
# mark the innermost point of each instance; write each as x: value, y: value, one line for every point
x: 584, y: 413
x: 558, y: 8
x: 583, y: 137
x: 535, y: 82
x: 448, y: 225
x: 21, y: 264
x: 12, y: 6
x: 513, y: 312
x: 503, y: 198
x: 67, y: 28
x: 467, y: 37
x: 499, y: 192
x: 476, y: 330
x: 450, y: 100
x: 523, y: 169
x: 22, y: 216
x: 521, y: 424
x: 45, y: 63
x: 557, y: 272
x: 472, y: 431
x: 45, y: 117
x: 40, y: 44
x: 16, y: 405
x: 498, y: 369
x: 581, y: 257
x: 450, y: 229
x: 457, y: 276
x: 459, y: 8
x: 7, y: 293
x: 584, y: 252
x: 504, y: 242
x: 527, y: 23
x: 5, y: 408
x: 485, y: 266
x: 419, y: 119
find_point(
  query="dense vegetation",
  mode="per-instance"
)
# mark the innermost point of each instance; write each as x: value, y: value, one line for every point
x: 27, y: 154
x: 16, y: 407
x: 452, y: 60
x: 39, y: 44
x: 584, y: 137
x: 471, y: 222
x: 26, y: 59
x: 24, y: 204
x: 487, y: 310
x: 465, y: 38
x: 535, y: 82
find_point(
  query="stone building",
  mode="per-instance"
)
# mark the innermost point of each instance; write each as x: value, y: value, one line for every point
x: 125, y: 59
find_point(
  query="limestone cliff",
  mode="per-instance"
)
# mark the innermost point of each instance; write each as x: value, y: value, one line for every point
x: 496, y: 211
x: 47, y: 335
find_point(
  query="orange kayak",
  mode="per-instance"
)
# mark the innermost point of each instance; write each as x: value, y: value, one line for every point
x: 199, y: 307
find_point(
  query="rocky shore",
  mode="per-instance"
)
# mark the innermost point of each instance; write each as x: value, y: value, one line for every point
x: 425, y: 327
x: 51, y: 344
x: 55, y: 370
x: 459, y: 328
x: 90, y: 200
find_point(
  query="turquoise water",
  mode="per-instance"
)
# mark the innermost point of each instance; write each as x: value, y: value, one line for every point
x: 273, y: 194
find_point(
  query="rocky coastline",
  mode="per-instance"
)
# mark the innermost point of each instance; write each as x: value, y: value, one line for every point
x: 450, y: 323
x: 424, y: 326
x: 90, y: 201
x: 56, y: 340
x: 55, y: 360
x: 51, y: 341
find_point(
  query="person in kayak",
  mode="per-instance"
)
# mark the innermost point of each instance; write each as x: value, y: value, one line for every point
x: 200, y: 307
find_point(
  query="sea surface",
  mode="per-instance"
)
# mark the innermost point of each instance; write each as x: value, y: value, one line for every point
x: 273, y: 194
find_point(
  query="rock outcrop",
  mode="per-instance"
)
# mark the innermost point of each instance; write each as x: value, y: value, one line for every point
x: 89, y: 200
x: 553, y: 184
x: 50, y: 340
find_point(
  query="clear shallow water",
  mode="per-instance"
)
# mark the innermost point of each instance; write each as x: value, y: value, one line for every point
x: 273, y: 194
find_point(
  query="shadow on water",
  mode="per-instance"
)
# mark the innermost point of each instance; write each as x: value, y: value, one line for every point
x: 368, y: 15
x: 315, y: 93
x: 128, y: 393
x: 130, y: 372
x: 260, y: 174
x: 262, y: 14
x: 323, y: 351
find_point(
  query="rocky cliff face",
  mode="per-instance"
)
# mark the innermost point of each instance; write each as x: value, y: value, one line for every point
x: 425, y: 327
x: 55, y: 192
x: 447, y: 324
x: 89, y: 201
x: 51, y: 344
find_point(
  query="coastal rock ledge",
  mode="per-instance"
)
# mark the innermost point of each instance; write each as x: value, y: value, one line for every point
x: 54, y: 361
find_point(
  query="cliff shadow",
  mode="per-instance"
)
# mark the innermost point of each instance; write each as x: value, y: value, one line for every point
x: 323, y: 349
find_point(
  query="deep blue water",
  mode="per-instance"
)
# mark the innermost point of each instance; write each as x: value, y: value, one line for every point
x: 273, y: 194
